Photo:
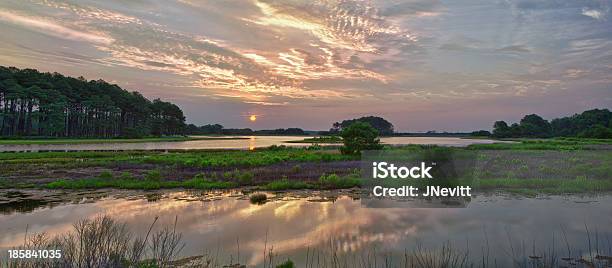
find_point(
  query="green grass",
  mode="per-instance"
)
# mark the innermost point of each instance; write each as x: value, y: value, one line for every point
x: 559, y: 144
x: 26, y: 141
x: 203, y: 158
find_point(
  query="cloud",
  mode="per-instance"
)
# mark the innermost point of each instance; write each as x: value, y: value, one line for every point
x: 351, y: 25
x: 593, y: 13
x: 461, y: 43
x: 407, y: 8
x: 375, y: 55
x: 515, y: 49
x: 575, y: 73
x: 53, y: 29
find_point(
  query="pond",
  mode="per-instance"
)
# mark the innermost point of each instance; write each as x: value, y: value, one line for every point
x: 234, y: 142
x: 304, y: 225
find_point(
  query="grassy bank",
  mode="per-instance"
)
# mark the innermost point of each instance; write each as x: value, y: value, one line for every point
x: 153, y: 181
x: 322, y: 139
x: 560, y: 144
x: 195, y: 158
x: 42, y: 141
x: 545, y: 186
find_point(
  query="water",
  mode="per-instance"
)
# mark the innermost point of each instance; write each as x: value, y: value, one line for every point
x: 237, y: 142
x: 299, y: 222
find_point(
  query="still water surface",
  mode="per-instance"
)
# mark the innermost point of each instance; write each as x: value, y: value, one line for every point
x: 236, y: 142
x: 297, y: 222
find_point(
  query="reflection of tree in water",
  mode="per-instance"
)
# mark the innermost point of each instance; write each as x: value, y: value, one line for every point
x: 25, y: 201
x: 23, y: 205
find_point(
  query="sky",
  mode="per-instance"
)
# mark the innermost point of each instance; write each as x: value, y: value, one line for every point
x: 421, y: 64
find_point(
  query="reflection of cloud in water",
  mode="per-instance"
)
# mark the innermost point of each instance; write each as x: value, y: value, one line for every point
x: 292, y: 226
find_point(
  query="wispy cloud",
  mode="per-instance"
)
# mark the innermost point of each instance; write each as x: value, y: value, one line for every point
x: 54, y: 29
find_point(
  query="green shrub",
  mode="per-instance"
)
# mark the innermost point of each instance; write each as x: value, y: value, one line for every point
x: 286, y: 264
x: 126, y: 176
x: 106, y: 175
x: 153, y: 175
x: 333, y: 181
x: 245, y: 178
x: 241, y: 177
x: 359, y: 136
x: 258, y: 198
x: 285, y: 184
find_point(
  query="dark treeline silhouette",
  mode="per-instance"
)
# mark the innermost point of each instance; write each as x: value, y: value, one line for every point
x: 217, y: 129
x: 50, y: 104
x: 384, y: 127
x: 596, y: 123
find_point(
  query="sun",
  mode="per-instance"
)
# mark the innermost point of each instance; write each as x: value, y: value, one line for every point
x: 253, y: 118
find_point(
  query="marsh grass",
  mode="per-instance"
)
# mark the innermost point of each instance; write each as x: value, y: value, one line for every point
x: 333, y: 181
x: 286, y: 184
x: 326, y: 181
x: 512, y: 171
x: 104, y: 242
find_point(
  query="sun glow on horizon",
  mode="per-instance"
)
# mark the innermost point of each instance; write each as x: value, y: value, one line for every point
x: 253, y: 118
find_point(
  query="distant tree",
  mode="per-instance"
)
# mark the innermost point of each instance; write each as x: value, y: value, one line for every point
x: 281, y: 131
x: 596, y: 123
x: 168, y: 119
x: 192, y: 129
x: 359, y: 136
x: 212, y: 129
x: 535, y: 126
x: 578, y: 123
x: 563, y: 127
x: 501, y: 129
x: 383, y: 126
x: 481, y: 133
x: 294, y: 131
x: 237, y: 131
x: 597, y: 132
x: 515, y: 130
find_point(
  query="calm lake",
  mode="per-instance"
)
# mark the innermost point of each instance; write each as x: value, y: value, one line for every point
x: 299, y: 223
x: 235, y: 142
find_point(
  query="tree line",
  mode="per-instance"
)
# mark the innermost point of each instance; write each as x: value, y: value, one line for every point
x: 217, y: 129
x: 596, y: 123
x: 33, y: 103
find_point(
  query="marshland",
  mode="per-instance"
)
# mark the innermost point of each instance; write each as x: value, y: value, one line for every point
x: 534, y: 207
